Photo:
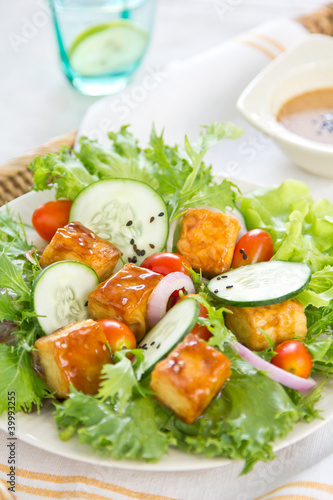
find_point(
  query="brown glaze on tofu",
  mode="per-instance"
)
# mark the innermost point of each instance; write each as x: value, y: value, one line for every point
x: 74, y: 354
x: 124, y: 297
x: 280, y: 322
x: 76, y: 242
x: 190, y: 377
x: 207, y: 239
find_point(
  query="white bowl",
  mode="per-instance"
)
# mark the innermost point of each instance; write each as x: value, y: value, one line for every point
x: 306, y: 67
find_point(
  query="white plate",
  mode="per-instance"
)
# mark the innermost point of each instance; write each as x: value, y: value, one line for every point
x: 40, y: 430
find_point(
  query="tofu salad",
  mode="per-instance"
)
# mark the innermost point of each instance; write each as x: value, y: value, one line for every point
x: 166, y: 309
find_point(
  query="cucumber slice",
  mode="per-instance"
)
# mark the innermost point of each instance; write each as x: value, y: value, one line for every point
x: 169, y: 331
x: 127, y: 212
x: 60, y: 294
x: 108, y: 48
x: 260, y: 284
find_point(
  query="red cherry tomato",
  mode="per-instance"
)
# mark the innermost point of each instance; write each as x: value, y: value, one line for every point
x: 294, y: 357
x: 119, y: 335
x: 255, y: 246
x: 165, y: 263
x: 47, y: 218
x: 200, y: 330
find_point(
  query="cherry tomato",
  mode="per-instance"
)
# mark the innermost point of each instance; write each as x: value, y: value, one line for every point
x: 255, y: 246
x: 47, y: 218
x: 165, y: 263
x: 294, y: 357
x: 200, y: 330
x: 119, y: 335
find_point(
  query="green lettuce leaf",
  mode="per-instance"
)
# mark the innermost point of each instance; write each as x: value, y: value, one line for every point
x: 119, y: 379
x: 181, y: 181
x: 18, y: 375
x: 135, y: 433
x: 61, y: 171
x: 252, y: 412
x: 302, y: 229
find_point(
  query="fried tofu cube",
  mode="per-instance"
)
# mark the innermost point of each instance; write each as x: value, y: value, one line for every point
x: 280, y: 322
x: 124, y: 297
x: 190, y: 377
x: 74, y: 354
x: 207, y: 239
x: 76, y: 242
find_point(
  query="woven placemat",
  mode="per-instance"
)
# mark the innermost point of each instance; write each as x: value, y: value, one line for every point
x: 16, y: 178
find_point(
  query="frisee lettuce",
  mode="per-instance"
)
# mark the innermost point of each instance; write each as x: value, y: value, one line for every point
x: 241, y: 423
x: 182, y: 182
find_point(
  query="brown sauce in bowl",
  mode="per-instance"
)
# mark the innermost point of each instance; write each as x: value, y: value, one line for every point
x: 310, y: 115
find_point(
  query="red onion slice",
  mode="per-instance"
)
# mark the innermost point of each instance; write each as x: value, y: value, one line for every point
x: 30, y: 254
x: 158, y: 300
x: 272, y: 371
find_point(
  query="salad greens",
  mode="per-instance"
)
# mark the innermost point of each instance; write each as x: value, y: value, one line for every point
x: 301, y: 228
x: 17, y: 324
x: 182, y: 182
x: 124, y: 420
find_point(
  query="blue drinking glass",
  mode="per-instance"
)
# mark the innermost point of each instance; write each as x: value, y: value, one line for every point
x: 102, y: 42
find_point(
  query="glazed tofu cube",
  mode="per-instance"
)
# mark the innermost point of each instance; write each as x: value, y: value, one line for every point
x: 74, y: 354
x: 207, y: 239
x: 280, y: 322
x: 76, y: 242
x: 190, y: 377
x: 124, y: 297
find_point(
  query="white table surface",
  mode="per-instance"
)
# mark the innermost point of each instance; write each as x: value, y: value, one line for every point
x: 37, y: 103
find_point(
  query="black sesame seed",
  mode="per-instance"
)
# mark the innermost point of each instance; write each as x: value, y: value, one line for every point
x: 224, y: 276
x: 152, y: 219
x: 129, y: 223
x: 138, y: 252
x: 143, y: 252
x: 129, y: 259
x: 135, y: 248
x: 216, y: 291
x: 143, y: 346
x: 218, y: 278
x: 134, y: 260
x: 153, y: 342
x: 161, y: 214
x: 158, y: 346
x: 86, y: 304
x: 151, y: 245
x: 229, y: 286
x: 132, y: 242
x: 242, y: 251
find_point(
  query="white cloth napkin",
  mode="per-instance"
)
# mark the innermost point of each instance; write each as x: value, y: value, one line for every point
x: 180, y: 99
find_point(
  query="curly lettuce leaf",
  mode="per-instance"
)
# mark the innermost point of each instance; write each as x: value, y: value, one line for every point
x: 61, y: 171
x: 124, y: 159
x: 135, y: 433
x: 181, y: 181
x: 252, y: 412
x: 119, y: 379
x: 241, y: 423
